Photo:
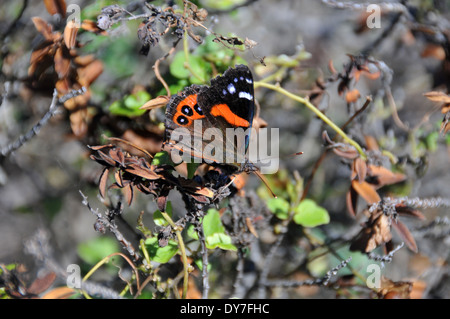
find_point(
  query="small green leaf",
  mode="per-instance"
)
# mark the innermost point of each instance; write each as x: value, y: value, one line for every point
x: 279, y: 206
x: 161, y: 158
x: 96, y: 249
x: 215, y: 232
x: 130, y: 105
x: 191, y: 168
x: 309, y: 214
x: 160, y: 254
x: 199, y: 264
x: 198, y: 66
x: 191, y: 232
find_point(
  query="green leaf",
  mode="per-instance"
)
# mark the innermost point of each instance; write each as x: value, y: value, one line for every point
x: 197, y: 64
x: 309, y: 214
x: 199, y: 264
x: 279, y: 206
x: 191, y: 168
x: 160, y: 254
x: 130, y: 105
x: 96, y: 249
x: 215, y: 232
x: 161, y: 158
x: 191, y: 232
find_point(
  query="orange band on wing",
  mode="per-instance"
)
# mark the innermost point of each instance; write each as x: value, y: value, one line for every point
x: 224, y: 111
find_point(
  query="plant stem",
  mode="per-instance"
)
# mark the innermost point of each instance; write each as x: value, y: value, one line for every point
x: 316, y: 111
x: 183, y: 252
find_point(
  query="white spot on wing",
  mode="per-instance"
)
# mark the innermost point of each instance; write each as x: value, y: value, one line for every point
x: 249, y: 81
x: 231, y: 88
x: 246, y: 95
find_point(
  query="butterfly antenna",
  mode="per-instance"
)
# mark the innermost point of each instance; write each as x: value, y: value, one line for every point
x: 264, y: 180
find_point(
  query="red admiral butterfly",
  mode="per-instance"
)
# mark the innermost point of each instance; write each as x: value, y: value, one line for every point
x: 227, y: 103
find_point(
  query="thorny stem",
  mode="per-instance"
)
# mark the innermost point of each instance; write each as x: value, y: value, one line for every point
x: 54, y: 106
x: 205, y: 262
x: 310, y: 282
x: 274, y: 248
x: 316, y: 111
x: 183, y: 252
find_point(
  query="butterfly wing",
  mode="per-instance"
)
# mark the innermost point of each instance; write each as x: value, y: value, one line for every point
x: 229, y: 103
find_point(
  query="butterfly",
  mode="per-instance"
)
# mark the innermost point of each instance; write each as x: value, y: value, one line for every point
x: 228, y: 103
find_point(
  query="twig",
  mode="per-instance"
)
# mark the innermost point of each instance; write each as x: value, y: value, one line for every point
x: 158, y: 61
x: 14, y: 23
x: 309, y: 282
x: 266, y: 269
x: 387, y: 204
x: 205, y: 262
x: 54, y: 106
x: 384, y: 6
x: 39, y: 247
x: 182, y: 250
x: 386, y: 258
x: 316, y: 111
x: 108, y: 222
x: 324, y: 153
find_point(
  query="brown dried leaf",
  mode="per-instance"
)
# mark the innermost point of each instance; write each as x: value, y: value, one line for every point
x: 349, y: 153
x: 433, y: 51
x: 437, y: 96
x: 408, y: 211
x: 70, y: 34
x: 360, y: 168
x: 376, y: 232
x: 78, y: 122
x: 84, y: 60
x: 352, y: 96
x: 250, y: 227
x: 41, y: 284
x: 352, y: 201
x: 59, y: 293
x: 117, y: 156
x: 161, y: 202
x: 118, y: 178
x: 128, y: 193
x: 418, y: 289
x: 44, y: 28
x: 445, y: 125
x: 41, y: 55
x: 155, y: 103
x: 206, y: 192
x: 366, y: 191
x: 91, y: 26
x: 102, y: 182
x: 56, y: 7
x: 371, y: 143
x: 331, y: 67
x: 394, y: 289
x: 89, y: 73
x: 385, y: 176
x: 62, y: 63
x: 141, y: 171
x: 406, y: 235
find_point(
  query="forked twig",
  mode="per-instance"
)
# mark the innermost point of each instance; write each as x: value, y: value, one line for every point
x: 54, y: 106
